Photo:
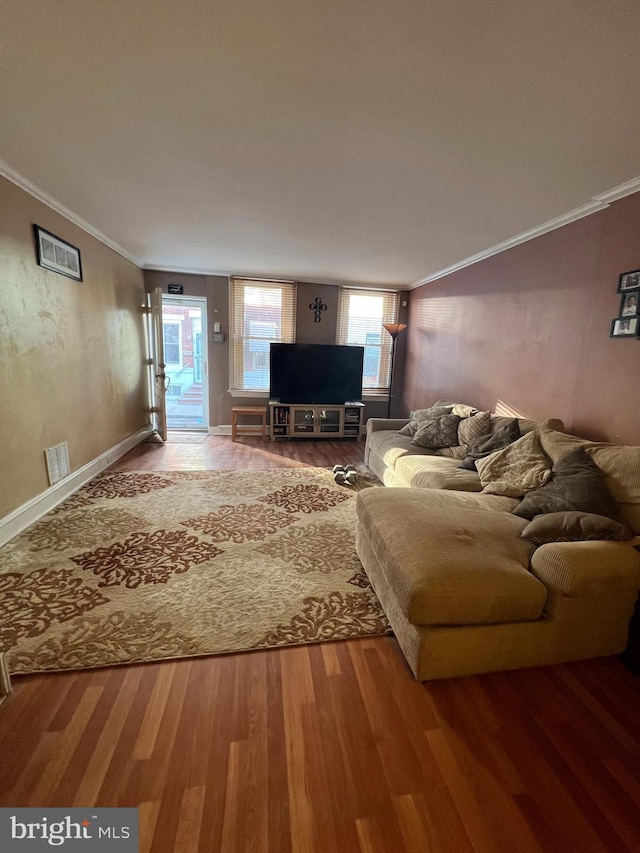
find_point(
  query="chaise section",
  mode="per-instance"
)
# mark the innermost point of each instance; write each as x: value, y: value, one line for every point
x: 451, y: 573
x: 449, y: 561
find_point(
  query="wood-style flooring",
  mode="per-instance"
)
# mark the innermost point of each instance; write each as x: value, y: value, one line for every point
x: 330, y: 747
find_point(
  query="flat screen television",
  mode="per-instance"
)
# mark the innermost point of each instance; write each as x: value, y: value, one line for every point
x: 315, y: 373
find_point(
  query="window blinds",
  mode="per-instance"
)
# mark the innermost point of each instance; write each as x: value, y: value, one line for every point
x: 260, y: 312
x: 361, y: 314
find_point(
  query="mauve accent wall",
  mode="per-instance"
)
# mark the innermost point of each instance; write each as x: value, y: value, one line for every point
x: 527, y: 331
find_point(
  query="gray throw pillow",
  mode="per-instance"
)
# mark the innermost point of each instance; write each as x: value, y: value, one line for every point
x: 573, y: 527
x: 576, y: 485
x: 421, y: 415
x: 485, y: 445
x: 438, y: 432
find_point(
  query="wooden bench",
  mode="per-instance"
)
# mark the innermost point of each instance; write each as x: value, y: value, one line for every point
x: 248, y: 429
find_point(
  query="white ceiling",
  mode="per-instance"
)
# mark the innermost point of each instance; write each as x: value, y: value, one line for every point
x: 371, y: 141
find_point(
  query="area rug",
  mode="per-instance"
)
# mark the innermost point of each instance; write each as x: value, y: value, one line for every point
x: 142, y: 566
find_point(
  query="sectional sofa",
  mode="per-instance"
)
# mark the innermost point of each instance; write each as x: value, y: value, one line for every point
x: 464, y: 592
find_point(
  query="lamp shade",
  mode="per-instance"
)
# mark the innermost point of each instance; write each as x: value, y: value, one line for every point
x: 394, y: 329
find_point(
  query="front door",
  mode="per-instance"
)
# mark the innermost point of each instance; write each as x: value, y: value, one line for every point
x: 184, y: 336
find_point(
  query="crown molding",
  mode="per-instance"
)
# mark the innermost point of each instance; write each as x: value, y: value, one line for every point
x: 11, y: 175
x: 269, y: 277
x: 620, y: 191
x: 599, y: 202
x: 187, y: 270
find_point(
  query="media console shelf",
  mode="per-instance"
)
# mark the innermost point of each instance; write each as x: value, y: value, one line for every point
x: 290, y: 420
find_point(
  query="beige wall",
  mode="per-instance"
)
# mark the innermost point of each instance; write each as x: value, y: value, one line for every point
x: 71, y: 353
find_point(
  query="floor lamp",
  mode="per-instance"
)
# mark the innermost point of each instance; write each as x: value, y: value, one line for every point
x: 394, y: 330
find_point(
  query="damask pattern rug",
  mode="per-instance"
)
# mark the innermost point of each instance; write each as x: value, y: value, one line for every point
x: 141, y: 566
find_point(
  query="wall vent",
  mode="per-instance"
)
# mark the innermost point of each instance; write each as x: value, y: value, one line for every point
x: 57, y: 462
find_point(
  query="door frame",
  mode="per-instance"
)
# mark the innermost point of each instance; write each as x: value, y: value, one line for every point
x: 155, y: 360
x: 201, y: 303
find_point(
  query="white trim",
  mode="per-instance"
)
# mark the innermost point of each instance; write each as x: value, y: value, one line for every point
x: 622, y: 190
x: 600, y: 202
x: 222, y: 429
x: 242, y: 392
x: 11, y: 175
x: 43, y: 503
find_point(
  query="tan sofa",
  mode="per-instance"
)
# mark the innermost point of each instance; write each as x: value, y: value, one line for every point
x: 464, y: 593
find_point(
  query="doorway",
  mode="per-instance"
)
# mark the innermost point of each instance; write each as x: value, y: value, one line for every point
x: 184, y: 336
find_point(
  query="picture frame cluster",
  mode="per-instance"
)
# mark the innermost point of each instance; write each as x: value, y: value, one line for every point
x: 627, y: 323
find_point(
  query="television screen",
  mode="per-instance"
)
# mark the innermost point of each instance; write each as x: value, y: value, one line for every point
x: 315, y: 373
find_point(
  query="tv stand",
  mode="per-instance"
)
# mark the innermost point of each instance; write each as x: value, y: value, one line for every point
x: 314, y: 420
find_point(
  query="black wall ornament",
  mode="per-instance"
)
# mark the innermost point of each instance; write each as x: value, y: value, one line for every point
x: 318, y: 306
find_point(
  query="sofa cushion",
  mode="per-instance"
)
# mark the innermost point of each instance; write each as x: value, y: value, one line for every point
x: 390, y: 446
x: 437, y: 432
x: 621, y: 468
x: 516, y: 470
x: 573, y: 527
x: 458, y: 451
x: 451, y: 558
x: 436, y: 472
x: 487, y: 444
x: 577, y: 484
x: 557, y: 444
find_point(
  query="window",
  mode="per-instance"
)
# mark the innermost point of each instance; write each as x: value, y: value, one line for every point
x: 361, y: 314
x: 261, y: 312
x: 171, y: 334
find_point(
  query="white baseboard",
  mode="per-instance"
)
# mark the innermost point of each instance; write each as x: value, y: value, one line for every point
x: 43, y: 503
x: 225, y: 429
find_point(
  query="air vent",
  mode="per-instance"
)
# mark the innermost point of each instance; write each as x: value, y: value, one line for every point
x: 57, y: 462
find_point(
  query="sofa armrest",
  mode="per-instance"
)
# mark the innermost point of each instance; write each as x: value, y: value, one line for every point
x: 375, y: 424
x: 587, y: 568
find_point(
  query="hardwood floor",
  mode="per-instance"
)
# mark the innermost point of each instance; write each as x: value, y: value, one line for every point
x: 330, y: 747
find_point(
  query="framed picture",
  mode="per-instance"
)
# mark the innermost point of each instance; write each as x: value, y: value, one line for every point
x: 630, y: 304
x: 57, y: 255
x: 624, y: 327
x: 629, y: 281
